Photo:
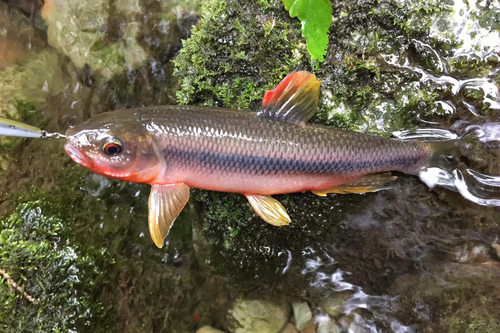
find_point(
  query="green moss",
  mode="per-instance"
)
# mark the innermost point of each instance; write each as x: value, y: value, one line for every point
x: 471, y: 65
x: 268, y: 27
x: 29, y: 115
x: 487, y: 16
x: 264, y: 4
x: 36, y: 251
x: 254, y: 254
x: 474, y: 322
x: 227, y: 60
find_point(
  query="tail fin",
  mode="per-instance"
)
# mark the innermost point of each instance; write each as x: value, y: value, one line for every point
x: 445, y: 170
x: 443, y: 144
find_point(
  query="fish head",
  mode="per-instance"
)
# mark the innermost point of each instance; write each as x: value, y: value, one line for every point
x: 114, y: 145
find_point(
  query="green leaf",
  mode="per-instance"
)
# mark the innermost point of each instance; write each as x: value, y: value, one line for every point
x: 316, y: 17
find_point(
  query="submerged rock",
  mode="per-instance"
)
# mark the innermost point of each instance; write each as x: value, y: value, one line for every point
x: 24, y: 65
x: 111, y: 37
x: 208, y: 329
x: 302, y: 315
x: 335, y: 304
x: 258, y: 316
x: 290, y: 328
x: 328, y: 325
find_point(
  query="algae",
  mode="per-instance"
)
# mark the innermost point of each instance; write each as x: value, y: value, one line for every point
x: 233, y: 57
x: 35, y: 251
x: 237, y: 242
x: 107, y: 36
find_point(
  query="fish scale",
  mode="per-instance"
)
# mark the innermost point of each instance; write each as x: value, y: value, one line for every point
x: 211, y: 139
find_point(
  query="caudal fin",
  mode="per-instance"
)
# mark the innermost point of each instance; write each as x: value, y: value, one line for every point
x: 444, y: 168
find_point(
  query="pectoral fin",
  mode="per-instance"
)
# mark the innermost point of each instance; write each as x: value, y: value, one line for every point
x: 271, y: 210
x: 368, y: 183
x: 165, y: 204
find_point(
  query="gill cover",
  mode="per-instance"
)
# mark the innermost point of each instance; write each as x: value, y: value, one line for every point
x: 115, y: 145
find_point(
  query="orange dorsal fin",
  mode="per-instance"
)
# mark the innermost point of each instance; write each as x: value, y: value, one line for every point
x: 295, y: 99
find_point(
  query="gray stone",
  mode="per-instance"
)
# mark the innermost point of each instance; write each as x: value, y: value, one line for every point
x: 290, y: 328
x: 302, y: 315
x: 327, y: 325
x: 208, y: 329
x: 257, y: 316
x: 335, y: 305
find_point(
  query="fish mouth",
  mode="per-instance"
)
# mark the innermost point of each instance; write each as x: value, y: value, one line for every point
x: 77, y: 156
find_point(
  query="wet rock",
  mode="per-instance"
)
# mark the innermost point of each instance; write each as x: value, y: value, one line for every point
x: 10, y: 52
x: 470, y: 286
x: 78, y: 30
x: 290, y: 328
x: 35, y: 81
x: 496, y: 247
x: 227, y: 61
x: 258, y: 316
x: 302, y: 315
x: 28, y: 7
x: 335, y: 305
x: 208, y: 329
x: 327, y: 325
x: 107, y: 36
x: 21, y: 76
x: 311, y: 328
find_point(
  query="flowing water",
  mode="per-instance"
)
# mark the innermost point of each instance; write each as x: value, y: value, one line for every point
x: 422, y: 256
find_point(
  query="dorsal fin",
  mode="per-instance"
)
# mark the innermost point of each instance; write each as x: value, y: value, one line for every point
x: 295, y: 99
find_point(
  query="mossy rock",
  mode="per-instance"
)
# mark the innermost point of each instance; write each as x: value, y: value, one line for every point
x: 234, y: 56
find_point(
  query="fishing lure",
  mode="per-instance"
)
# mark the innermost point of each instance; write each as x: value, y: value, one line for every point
x: 9, y: 127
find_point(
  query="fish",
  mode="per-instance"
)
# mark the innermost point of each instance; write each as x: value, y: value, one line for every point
x: 258, y: 154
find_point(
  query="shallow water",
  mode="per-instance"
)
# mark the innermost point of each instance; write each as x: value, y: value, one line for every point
x: 409, y: 259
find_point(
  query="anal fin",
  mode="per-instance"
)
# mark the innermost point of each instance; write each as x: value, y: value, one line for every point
x: 369, y: 183
x: 165, y: 204
x: 269, y: 209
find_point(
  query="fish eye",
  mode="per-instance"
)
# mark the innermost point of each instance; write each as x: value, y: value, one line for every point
x: 112, y: 146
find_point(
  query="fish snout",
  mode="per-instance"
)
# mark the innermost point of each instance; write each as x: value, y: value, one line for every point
x: 72, y: 130
x: 77, y: 156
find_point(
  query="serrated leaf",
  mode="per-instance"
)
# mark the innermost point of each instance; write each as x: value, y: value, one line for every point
x: 316, y: 17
